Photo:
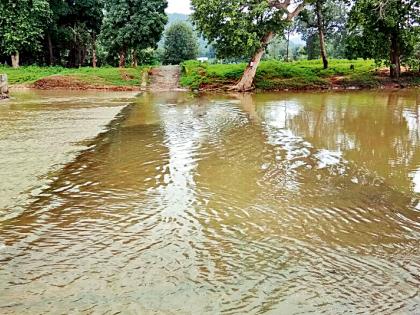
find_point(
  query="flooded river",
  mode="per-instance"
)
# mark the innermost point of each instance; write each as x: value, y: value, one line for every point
x: 283, y: 203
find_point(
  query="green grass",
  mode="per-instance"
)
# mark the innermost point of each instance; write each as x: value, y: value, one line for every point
x: 97, y: 76
x: 274, y: 74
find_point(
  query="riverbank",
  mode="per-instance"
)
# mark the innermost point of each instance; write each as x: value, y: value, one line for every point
x: 272, y: 75
x: 85, y: 78
x: 276, y: 75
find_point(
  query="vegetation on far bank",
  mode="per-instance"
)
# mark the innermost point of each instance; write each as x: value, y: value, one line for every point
x: 75, y: 34
x: 271, y: 75
x: 90, y: 77
x: 298, y: 75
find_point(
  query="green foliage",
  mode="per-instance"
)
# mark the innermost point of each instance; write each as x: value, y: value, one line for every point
x: 133, y: 24
x: 93, y: 76
x: 73, y: 30
x: 334, y: 14
x: 373, y: 24
x: 204, y: 48
x: 413, y: 60
x: 274, y: 74
x: 277, y: 49
x: 22, y: 24
x: 180, y: 44
x: 236, y: 28
x: 149, y: 56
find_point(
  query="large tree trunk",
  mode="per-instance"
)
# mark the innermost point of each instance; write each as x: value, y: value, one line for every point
x: 50, y: 50
x: 247, y: 80
x: 321, y: 33
x: 395, y: 68
x: 122, y: 59
x: 15, y: 60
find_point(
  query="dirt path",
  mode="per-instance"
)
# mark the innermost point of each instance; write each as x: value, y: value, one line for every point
x: 165, y: 78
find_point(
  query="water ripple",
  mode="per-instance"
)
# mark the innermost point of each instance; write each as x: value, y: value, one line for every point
x: 219, y: 205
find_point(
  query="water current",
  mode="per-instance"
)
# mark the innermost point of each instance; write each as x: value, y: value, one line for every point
x: 283, y: 203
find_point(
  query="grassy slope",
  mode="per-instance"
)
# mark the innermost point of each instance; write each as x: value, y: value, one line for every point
x: 93, y: 76
x: 277, y: 75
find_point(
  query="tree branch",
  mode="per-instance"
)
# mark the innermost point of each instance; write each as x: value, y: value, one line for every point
x: 299, y: 8
x: 284, y: 5
x: 279, y: 4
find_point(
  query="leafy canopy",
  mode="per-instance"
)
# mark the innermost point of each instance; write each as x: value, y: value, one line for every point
x: 73, y: 28
x: 22, y: 24
x: 133, y: 24
x: 334, y: 16
x: 180, y: 43
x: 236, y: 27
x: 374, y: 22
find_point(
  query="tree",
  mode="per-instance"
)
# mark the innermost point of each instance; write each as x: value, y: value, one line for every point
x: 131, y: 25
x: 22, y: 26
x: 71, y: 36
x: 323, y: 22
x: 321, y: 31
x: 384, y: 30
x: 180, y: 44
x: 244, y: 28
x: 283, y: 48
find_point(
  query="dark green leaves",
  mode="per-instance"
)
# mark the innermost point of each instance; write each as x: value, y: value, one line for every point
x: 22, y: 24
x: 180, y: 44
x: 236, y: 27
x: 133, y: 24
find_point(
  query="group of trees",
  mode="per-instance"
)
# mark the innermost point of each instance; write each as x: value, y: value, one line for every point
x: 73, y: 32
x: 323, y: 24
x: 386, y: 31
x: 81, y: 32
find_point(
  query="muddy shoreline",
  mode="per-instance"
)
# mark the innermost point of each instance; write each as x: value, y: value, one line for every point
x: 168, y: 79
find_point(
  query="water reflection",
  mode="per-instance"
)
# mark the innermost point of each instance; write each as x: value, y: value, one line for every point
x: 270, y: 203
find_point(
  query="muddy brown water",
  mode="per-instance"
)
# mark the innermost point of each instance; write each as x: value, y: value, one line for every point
x: 282, y: 203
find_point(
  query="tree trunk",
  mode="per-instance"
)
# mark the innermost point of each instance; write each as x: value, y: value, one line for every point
x: 83, y: 54
x: 395, y: 68
x: 122, y: 59
x: 78, y: 57
x: 71, y: 58
x: 94, y: 58
x: 15, y: 60
x: 320, y: 23
x: 50, y: 50
x: 287, y: 45
x: 247, y: 80
x: 134, y: 62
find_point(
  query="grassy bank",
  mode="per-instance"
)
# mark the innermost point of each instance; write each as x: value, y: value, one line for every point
x: 50, y: 77
x: 299, y: 75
